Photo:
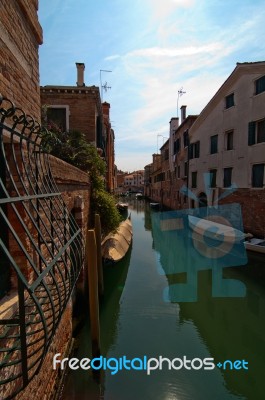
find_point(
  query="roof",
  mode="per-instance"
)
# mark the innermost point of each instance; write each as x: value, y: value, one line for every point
x: 239, y: 70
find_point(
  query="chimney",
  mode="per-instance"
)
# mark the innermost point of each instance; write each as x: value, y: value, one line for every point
x: 80, y: 74
x: 183, y: 113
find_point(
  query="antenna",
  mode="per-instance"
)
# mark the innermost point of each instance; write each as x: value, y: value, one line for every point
x: 180, y: 93
x: 105, y: 86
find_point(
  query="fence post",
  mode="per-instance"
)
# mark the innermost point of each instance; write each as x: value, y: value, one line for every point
x: 93, y: 292
x: 99, y: 257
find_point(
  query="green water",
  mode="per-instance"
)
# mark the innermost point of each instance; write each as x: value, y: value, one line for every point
x: 136, y: 322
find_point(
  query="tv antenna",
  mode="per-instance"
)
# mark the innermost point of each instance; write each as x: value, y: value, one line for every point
x: 180, y: 93
x: 105, y: 86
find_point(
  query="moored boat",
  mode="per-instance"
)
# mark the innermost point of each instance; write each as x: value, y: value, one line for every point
x: 255, y: 244
x: 155, y: 205
x: 115, y: 245
x: 215, y: 230
x: 122, y: 206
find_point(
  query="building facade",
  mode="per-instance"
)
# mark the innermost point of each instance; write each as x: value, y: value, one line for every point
x: 20, y: 37
x: 109, y: 153
x: 230, y: 133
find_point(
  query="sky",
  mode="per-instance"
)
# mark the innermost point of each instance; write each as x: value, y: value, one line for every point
x: 154, y: 49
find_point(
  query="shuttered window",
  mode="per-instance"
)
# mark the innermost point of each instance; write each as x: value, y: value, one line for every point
x: 260, y: 85
x: 257, y: 175
x: 227, y: 177
x: 194, y: 179
x: 214, y: 144
x: 213, y: 173
x: 229, y: 101
x: 256, y: 132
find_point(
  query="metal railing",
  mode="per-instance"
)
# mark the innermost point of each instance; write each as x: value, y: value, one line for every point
x: 41, y: 250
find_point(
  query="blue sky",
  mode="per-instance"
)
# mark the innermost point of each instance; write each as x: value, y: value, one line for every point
x: 153, y: 48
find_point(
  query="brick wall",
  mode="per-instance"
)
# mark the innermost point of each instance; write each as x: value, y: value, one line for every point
x: 253, y: 209
x: 20, y: 37
x: 84, y: 106
x: 44, y: 384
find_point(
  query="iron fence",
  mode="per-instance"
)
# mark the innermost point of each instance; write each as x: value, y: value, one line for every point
x: 41, y: 251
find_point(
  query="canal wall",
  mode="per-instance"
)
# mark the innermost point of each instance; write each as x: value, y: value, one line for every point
x: 74, y: 186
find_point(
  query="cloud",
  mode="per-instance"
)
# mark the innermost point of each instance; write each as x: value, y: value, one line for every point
x: 175, y: 51
x: 114, y: 57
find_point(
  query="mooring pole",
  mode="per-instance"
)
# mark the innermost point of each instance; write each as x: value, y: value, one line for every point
x: 99, y: 256
x: 93, y: 292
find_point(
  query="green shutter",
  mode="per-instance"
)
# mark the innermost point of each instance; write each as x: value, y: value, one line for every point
x: 251, y: 133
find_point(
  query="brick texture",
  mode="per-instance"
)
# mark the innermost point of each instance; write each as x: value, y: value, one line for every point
x: 20, y: 37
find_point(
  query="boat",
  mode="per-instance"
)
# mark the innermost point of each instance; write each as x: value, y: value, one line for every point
x: 122, y: 206
x: 139, y: 196
x: 115, y: 245
x: 255, y: 244
x: 155, y: 205
x: 215, y: 230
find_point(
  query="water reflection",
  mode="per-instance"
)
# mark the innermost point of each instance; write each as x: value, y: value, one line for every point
x: 136, y: 321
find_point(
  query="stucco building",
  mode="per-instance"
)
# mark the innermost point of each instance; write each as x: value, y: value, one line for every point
x: 230, y: 133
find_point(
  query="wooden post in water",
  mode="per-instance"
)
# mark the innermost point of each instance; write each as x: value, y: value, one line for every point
x: 93, y: 292
x: 99, y: 256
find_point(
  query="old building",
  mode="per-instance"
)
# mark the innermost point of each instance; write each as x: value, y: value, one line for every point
x: 76, y: 108
x: 134, y: 182
x: 20, y: 37
x: 181, y: 154
x: 230, y: 136
x: 109, y: 152
x: 79, y: 108
x: 44, y: 206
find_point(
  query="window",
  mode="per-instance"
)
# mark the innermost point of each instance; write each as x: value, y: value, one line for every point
x: 214, y: 144
x: 261, y: 131
x: 213, y: 173
x: 186, y: 168
x: 59, y: 115
x: 229, y: 140
x: 194, y: 150
x: 177, y: 146
x: 178, y: 171
x: 186, y: 138
x: 227, y: 177
x: 194, y: 179
x: 229, y: 101
x: 260, y: 85
x: 197, y: 150
x: 257, y: 175
x: 256, y: 132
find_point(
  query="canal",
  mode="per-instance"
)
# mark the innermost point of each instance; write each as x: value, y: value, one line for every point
x: 142, y: 317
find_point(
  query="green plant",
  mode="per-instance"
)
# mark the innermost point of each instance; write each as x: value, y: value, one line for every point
x: 73, y: 148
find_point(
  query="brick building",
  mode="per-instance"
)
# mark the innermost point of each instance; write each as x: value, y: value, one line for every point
x: 79, y: 108
x: 76, y: 108
x: 109, y: 153
x: 42, y: 225
x: 20, y: 37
